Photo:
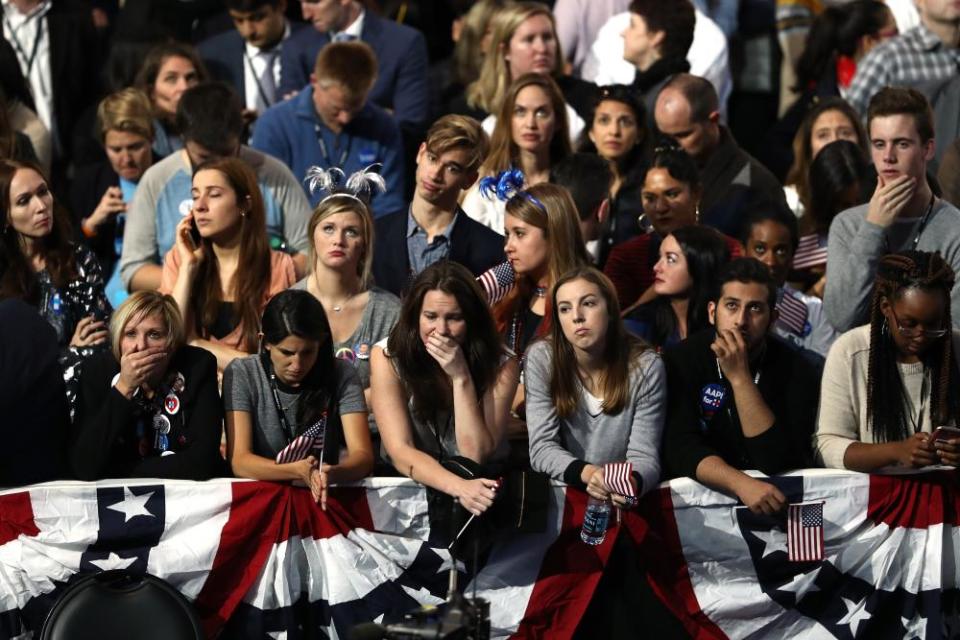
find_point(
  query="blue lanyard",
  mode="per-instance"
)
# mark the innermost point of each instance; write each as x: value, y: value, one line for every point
x: 327, y: 163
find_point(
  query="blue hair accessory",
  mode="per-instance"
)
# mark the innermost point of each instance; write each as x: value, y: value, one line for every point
x: 361, y: 185
x: 506, y: 186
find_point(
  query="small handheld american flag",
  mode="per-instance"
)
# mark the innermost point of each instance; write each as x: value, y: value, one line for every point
x: 792, y: 313
x: 805, y: 532
x: 616, y: 475
x: 811, y: 251
x: 308, y: 441
x: 497, y: 282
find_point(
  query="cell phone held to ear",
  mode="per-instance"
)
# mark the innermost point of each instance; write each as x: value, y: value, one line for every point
x: 194, y: 233
x: 946, y: 433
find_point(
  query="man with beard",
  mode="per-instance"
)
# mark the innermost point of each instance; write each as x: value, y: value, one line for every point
x: 739, y: 399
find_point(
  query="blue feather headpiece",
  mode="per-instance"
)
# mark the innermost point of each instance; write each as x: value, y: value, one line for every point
x: 506, y: 186
x: 361, y: 185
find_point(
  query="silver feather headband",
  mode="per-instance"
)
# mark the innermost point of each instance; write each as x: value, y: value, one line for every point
x: 361, y: 185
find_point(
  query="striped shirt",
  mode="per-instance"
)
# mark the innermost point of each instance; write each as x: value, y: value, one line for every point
x: 913, y: 58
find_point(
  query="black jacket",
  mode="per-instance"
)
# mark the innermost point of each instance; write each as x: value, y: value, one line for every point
x: 75, y: 60
x: 789, y: 385
x: 734, y: 184
x: 86, y: 190
x: 33, y: 400
x: 471, y: 244
x: 106, y: 444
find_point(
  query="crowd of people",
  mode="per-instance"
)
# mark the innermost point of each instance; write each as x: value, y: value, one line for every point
x: 309, y: 243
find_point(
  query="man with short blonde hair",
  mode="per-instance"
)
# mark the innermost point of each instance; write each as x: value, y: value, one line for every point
x: 332, y: 124
x: 434, y: 227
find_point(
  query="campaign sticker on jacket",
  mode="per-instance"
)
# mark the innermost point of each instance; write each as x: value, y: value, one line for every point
x: 161, y: 423
x: 179, y: 383
x: 171, y: 403
x: 712, y: 397
x: 346, y: 354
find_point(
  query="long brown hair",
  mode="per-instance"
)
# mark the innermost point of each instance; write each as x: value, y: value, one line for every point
x: 504, y: 151
x: 17, y: 276
x: 250, y: 290
x: 424, y: 380
x: 620, y: 351
x: 154, y: 61
x: 799, y: 173
x: 560, y: 224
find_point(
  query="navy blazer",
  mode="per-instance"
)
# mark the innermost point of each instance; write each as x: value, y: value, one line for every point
x: 402, y: 84
x: 472, y: 244
x: 223, y: 55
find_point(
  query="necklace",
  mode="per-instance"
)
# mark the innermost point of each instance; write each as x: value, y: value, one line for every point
x: 336, y: 308
x: 540, y: 292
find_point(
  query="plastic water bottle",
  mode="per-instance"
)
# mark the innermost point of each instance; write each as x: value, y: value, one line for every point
x: 595, y: 521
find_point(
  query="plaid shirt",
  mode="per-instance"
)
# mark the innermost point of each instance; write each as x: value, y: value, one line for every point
x: 913, y: 58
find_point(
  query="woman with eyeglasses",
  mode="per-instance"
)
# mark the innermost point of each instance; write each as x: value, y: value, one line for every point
x: 890, y: 385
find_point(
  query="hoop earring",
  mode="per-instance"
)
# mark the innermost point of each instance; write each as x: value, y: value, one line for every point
x: 884, y: 328
x: 696, y: 213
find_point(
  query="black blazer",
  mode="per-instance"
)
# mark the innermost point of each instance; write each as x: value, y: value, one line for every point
x: 106, y: 444
x: 75, y: 63
x: 86, y: 190
x: 472, y: 244
x: 33, y: 400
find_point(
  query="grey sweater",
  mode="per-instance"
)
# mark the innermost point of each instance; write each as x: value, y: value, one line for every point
x: 590, y: 436
x: 855, y: 246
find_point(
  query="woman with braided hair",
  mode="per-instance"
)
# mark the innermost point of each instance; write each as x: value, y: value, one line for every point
x: 888, y: 385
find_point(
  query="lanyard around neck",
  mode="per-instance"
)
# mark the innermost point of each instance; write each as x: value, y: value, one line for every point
x: 923, y: 221
x: 756, y: 380
x: 256, y: 77
x: 327, y: 162
x: 275, y: 393
x: 756, y: 376
x: 15, y: 41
